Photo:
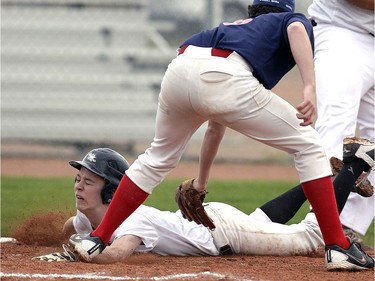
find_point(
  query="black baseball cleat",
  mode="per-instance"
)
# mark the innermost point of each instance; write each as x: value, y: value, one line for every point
x: 86, y: 246
x: 352, y: 259
x: 360, y: 148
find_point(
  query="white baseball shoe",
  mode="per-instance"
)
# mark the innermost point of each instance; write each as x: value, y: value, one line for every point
x: 86, y: 246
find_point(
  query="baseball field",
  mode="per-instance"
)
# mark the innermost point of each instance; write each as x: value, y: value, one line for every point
x: 37, y: 197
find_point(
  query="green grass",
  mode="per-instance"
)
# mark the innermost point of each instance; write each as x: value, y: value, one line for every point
x: 22, y: 197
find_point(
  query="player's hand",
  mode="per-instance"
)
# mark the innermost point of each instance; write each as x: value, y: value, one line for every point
x: 190, y: 202
x: 307, y: 108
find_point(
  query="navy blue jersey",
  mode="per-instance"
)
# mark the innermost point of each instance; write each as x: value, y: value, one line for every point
x: 262, y: 42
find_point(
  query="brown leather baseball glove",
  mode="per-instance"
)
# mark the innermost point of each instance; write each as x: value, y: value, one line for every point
x: 336, y: 165
x: 190, y: 202
x: 362, y: 185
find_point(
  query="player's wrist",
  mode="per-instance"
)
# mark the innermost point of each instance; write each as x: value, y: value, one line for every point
x: 199, y: 185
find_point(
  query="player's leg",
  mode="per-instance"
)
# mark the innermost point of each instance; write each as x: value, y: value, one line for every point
x: 282, y: 208
x: 148, y: 170
x: 358, y: 212
x: 338, y: 87
x: 275, y: 123
x: 176, y: 122
x: 252, y: 236
x: 343, y: 94
x: 357, y: 215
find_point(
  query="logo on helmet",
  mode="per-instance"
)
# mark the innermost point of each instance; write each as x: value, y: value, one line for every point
x: 91, y: 157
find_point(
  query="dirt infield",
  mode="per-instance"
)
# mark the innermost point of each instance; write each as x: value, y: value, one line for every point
x: 16, y: 263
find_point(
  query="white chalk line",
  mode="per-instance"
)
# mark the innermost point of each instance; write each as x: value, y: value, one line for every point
x: 7, y: 239
x: 35, y: 276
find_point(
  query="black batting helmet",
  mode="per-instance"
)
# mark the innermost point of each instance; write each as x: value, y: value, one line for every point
x: 107, y: 164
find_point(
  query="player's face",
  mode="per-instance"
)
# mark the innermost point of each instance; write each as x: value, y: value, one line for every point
x: 88, y: 187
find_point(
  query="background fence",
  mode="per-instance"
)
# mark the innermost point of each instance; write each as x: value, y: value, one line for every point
x: 77, y: 74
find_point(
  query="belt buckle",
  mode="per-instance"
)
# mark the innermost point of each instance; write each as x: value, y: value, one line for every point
x: 226, y: 250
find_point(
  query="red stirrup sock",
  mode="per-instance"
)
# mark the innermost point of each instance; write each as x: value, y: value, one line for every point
x: 128, y: 197
x: 321, y: 196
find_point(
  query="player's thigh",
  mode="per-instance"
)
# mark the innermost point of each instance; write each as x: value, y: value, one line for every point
x: 276, y: 125
x: 172, y: 133
x: 339, y: 65
x: 173, y: 130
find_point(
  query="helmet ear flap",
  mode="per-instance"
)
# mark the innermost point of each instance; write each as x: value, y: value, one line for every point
x: 107, y: 192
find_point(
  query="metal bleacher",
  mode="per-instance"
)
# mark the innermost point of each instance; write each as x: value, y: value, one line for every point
x: 80, y: 72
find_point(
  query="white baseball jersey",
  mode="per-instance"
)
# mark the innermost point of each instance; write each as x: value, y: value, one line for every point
x: 168, y: 233
x: 344, y: 70
x: 162, y: 232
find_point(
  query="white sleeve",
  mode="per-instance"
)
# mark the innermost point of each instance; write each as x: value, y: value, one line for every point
x: 167, y: 233
x: 139, y: 225
x: 81, y: 223
x: 136, y: 224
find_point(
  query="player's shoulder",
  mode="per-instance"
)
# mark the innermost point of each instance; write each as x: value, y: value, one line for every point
x: 297, y: 16
x: 281, y: 19
x: 283, y: 15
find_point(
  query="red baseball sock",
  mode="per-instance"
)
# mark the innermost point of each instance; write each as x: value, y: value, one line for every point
x: 321, y: 196
x: 128, y: 197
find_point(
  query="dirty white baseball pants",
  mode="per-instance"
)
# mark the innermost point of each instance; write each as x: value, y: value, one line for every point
x: 197, y: 87
x: 255, y: 234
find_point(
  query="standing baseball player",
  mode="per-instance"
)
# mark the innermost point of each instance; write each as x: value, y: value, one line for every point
x: 344, y: 69
x: 225, y: 75
x: 167, y: 233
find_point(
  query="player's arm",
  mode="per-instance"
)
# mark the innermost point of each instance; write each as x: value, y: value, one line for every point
x: 364, y: 4
x: 303, y: 55
x: 68, y: 228
x: 119, y: 250
x: 191, y: 193
x: 210, y: 145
